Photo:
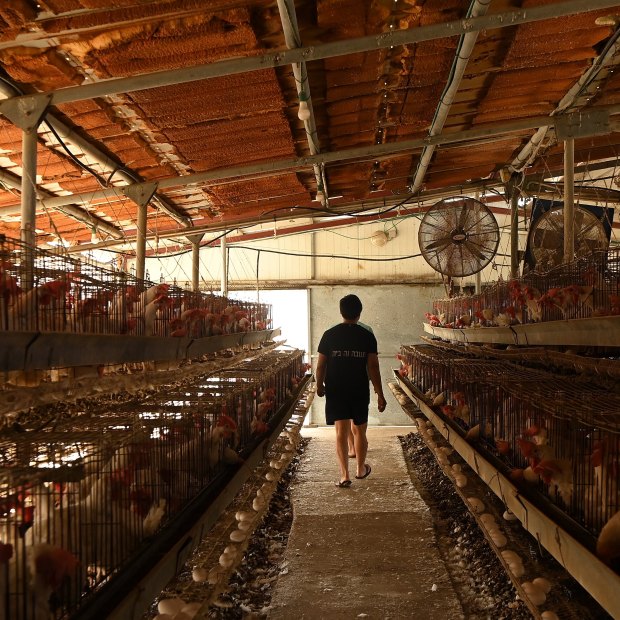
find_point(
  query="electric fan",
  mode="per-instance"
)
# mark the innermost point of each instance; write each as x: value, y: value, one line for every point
x: 546, y: 238
x: 458, y: 236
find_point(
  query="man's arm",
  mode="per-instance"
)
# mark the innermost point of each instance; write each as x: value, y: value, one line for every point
x: 375, y: 378
x: 321, y: 367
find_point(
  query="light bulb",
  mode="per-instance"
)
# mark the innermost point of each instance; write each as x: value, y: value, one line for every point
x: 304, y: 111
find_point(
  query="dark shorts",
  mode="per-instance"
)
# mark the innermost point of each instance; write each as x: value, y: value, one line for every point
x: 346, y: 410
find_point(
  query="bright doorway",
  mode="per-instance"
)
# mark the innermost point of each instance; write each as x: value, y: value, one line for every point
x: 290, y: 313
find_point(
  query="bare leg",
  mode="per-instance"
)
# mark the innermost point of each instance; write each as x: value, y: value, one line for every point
x: 361, y: 447
x: 351, y: 442
x: 342, y: 432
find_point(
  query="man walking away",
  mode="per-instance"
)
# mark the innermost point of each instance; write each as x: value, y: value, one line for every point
x: 348, y: 358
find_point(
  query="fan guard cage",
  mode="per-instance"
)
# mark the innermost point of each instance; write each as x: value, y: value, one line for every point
x: 547, y: 237
x: 458, y: 236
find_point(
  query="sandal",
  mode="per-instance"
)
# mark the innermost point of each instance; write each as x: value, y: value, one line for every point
x: 345, y: 484
x: 368, y: 470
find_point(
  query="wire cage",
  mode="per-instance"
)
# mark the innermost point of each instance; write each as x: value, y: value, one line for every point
x: 555, y: 436
x: 588, y: 287
x: 80, y: 497
x: 53, y: 292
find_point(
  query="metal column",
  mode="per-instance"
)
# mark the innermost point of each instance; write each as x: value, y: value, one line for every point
x: 224, y: 287
x: 141, y: 194
x: 514, y: 233
x: 141, y: 241
x: 569, y: 200
x: 195, y: 241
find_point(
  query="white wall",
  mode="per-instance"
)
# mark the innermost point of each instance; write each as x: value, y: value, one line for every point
x: 395, y: 313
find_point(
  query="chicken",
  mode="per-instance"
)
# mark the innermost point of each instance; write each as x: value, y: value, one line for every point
x: 534, y: 309
x: 194, y: 320
x: 463, y: 321
x: 502, y: 446
x: 608, y: 543
x: 258, y: 427
x: 557, y: 473
x: 433, y: 319
x: 6, y: 553
x: 462, y: 408
x: 150, y: 313
x: 562, y: 298
x: 35, y: 309
x: 485, y: 317
x: 50, y: 565
x: 149, y: 295
x: 224, y: 429
x: 605, y: 461
x: 503, y: 319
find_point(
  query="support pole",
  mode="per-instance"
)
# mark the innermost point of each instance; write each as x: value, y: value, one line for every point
x: 514, y: 233
x: 141, y: 241
x: 195, y: 241
x: 569, y: 200
x: 28, y: 204
x: 196, y: 266
x: 224, y: 287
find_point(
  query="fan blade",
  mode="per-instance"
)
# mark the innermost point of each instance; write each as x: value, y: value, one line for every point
x: 463, y: 215
x: 474, y: 250
x: 439, y: 244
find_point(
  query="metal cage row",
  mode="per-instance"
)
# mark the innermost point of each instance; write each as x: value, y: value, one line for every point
x: 558, y: 436
x: 63, y: 294
x: 80, y: 497
x: 585, y: 288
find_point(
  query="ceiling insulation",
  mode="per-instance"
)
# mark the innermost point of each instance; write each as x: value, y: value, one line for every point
x: 362, y: 101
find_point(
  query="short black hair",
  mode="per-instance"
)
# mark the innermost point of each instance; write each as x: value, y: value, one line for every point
x: 350, y: 307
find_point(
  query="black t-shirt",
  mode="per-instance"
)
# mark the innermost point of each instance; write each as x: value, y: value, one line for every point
x: 346, y: 347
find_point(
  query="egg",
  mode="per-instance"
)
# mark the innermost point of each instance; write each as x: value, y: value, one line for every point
x: 534, y: 593
x: 549, y: 615
x: 499, y: 540
x: 237, y: 536
x: 214, y: 575
x: 509, y: 555
x: 457, y: 468
x: 170, y: 606
x: 258, y: 504
x: 191, y: 609
x: 508, y: 516
x: 516, y: 568
x: 244, y: 516
x: 461, y: 480
x: 226, y: 561
x: 543, y: 584
x: 477, y: 505
x: 200, y: 574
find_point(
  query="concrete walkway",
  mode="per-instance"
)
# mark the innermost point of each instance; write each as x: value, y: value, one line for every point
x: 364, y: 552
